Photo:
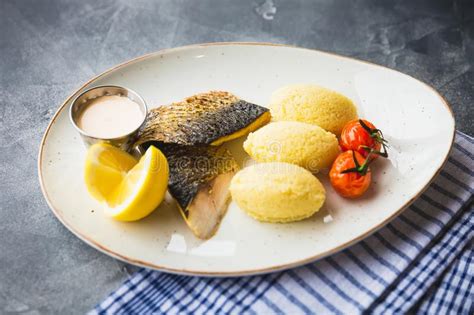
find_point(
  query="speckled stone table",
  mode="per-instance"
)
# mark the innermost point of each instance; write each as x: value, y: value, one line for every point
x: 49, y: 48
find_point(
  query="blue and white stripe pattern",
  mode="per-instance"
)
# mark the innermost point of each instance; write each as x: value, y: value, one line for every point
x: 421, y: 262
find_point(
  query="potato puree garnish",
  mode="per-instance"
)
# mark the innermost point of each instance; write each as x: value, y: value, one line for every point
x: 293, y: 142
x: 277, y: 192
x: 312, y: 104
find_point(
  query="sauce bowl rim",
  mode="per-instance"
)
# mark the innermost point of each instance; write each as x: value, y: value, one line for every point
x: 143, y: 106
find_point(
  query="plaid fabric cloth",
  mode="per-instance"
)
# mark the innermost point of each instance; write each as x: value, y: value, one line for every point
x: 421, y: 262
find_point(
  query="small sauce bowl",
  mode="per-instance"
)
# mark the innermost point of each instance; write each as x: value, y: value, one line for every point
x: 81, y: 102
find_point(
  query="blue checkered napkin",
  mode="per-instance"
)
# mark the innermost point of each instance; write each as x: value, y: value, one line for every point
x: 454, y: 288
x: 420, y: 262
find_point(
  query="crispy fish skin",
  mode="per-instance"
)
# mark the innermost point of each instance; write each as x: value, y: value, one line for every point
x: 188, y: 134
x: 199, y: 180
x: 203, y: 119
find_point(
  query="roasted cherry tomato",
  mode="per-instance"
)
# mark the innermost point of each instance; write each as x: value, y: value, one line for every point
x: 361, y: 135
x: 350, y: 174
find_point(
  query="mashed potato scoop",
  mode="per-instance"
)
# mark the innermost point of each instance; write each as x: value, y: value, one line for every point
x: 312, y: 104
x: 277, y: 192
x: 303, y: 144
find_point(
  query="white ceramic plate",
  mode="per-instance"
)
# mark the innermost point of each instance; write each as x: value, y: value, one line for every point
x: 416, y: 120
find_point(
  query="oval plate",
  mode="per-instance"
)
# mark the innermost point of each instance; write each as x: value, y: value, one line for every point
x: 415, y: 119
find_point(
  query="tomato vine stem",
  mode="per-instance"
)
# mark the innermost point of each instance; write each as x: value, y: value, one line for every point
x: 360, y: 169
x: 377, y: 135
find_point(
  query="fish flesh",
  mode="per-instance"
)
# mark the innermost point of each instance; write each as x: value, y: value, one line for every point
x: 199, y: 180
x: 208, y: 118
x: 189, y: 134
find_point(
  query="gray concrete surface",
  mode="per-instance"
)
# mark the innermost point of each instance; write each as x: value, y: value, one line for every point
x: 48, y: 48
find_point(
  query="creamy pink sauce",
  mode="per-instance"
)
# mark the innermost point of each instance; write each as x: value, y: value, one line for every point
x: 110, y: 117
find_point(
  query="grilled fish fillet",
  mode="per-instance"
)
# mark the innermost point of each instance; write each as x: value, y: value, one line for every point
x: 199, y: 180
x: 208, y: 118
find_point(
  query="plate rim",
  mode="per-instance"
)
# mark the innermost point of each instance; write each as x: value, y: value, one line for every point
x: 190, y: 272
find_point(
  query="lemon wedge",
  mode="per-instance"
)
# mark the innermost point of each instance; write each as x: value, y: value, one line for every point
x: 130, y: 190
x: 105, y: 168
